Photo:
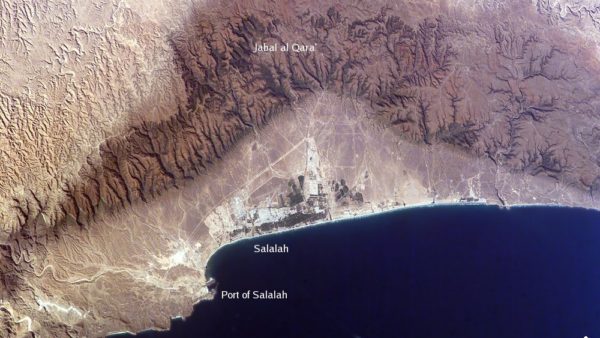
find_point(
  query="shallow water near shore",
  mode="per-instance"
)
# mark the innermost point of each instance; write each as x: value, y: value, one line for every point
x: 443, y: 271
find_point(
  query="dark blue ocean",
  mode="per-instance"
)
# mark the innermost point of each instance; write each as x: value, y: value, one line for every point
x: 444, y: 271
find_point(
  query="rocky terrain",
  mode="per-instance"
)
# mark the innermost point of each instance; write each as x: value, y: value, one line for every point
x: 137, y: 138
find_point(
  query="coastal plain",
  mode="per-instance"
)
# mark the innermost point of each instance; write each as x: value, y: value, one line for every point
x: 138, y: 138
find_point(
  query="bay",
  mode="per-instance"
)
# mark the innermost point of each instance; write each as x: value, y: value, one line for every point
x: 440, y: 271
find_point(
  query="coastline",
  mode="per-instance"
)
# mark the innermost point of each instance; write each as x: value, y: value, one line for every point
x: 209, y: 295
x: 426, y: 204
x: 405, y: 240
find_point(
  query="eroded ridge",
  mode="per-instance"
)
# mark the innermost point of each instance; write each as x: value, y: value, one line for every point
x: 520, y: 95
x: 449, y: 103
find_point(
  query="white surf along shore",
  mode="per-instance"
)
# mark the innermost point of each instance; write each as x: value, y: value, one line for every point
x: 362, y: 214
